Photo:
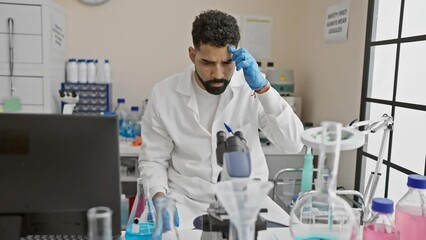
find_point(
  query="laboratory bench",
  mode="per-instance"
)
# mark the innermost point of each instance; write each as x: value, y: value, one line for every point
x: 270, y: 233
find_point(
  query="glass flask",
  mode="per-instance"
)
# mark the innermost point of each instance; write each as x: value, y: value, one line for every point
x: 410, y: 213
x: 165, y: 228
x: 381, y: 226
x: 142, y: 217
x: 321, y: 214
x: 242, y: 200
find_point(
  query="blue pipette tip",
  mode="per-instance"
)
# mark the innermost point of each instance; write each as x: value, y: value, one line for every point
x: 229, y: 129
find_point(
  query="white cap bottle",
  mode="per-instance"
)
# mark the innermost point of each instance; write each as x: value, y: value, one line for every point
x: 98, y: 77
x: 107, y: 71
x: 72, y: 72
x: 91, y: 71
x: 82, y: 71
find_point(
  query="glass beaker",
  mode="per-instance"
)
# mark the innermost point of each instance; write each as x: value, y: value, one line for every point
x: 322, y: 214
x: 99, y: 223
x: 165, y: 228
x: 142, y: 217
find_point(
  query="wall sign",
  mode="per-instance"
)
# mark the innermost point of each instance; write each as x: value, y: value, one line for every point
x: 336, y: 22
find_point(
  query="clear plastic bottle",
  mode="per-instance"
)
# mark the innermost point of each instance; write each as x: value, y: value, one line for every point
x: 410, y: 213
x: 134, y: 127
x: 82, y: 71
x: 124, y: 211
x: 142, y: 217
x: 381, y: 226
x: 123, y: 116
x: 107, y: 71
x: 72, y: 71
x: 91, y: 71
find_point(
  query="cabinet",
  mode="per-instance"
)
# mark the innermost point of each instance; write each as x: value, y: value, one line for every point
x: 33, y: 33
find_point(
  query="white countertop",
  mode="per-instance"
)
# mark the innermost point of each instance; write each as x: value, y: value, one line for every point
x: 129, y: 151
x: 268, y: 234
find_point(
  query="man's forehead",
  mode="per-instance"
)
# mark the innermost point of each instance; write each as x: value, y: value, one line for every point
x: 210, y: 52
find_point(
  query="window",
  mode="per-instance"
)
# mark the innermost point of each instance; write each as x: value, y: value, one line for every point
x: 394, y: 83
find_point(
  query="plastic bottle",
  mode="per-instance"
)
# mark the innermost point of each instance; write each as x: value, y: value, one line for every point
x: 381, y: 226
x: 134, y: 127
x: 410, y: 214
x: 99, y: 76
x: 107, y: 71
x: 123, y: 114
x: 307, y: 171
x: 82, y: 71
x: 124, y: 211
x: 91, y: 71
x: 72, y: 71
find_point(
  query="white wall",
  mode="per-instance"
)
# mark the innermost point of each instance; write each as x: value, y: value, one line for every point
x: 147, y: 41
x: 330, y: 74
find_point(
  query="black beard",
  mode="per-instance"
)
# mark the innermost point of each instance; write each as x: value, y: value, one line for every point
x: 208, y: 85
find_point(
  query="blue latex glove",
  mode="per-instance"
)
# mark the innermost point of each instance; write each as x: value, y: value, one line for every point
x: 165, y: 225
x: 244, y: 60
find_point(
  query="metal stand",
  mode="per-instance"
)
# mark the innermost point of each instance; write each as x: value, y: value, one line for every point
x: 373, y: 126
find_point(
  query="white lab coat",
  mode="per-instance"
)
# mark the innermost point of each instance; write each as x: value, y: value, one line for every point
x: 178, y: 153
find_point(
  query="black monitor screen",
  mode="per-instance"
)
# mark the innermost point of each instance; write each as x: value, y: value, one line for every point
x: 53, y: 168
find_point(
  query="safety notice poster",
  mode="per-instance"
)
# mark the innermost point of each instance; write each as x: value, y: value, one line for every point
x: 336, y: 22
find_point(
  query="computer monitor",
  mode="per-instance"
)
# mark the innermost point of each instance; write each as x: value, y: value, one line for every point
x: 53, y: 168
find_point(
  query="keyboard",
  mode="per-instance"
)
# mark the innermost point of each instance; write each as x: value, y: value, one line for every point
x: 54, y: 237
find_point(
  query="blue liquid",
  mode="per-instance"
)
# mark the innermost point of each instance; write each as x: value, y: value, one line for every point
x: 314, y: 237
x: 145, y: 232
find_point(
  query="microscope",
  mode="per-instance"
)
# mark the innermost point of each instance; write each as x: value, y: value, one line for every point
x: 233, y: 156
x: 70, y: 100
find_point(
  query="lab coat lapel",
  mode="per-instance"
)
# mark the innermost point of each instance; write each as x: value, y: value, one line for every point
x: 185, y: 87
x: 225, y: 103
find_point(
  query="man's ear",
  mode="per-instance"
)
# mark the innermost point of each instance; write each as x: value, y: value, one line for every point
x: 192, y: 53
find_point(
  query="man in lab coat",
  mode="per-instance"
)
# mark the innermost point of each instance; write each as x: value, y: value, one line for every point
x: 186, y: 110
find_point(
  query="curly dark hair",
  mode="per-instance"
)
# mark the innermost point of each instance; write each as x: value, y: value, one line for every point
x: 215, y: 28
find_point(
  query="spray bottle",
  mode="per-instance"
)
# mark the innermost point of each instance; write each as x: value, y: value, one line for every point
x: 307, y: 171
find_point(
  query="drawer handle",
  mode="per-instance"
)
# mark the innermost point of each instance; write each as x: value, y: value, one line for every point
x: 10, y: 24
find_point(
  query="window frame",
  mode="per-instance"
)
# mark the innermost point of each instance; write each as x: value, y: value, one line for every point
x: 362, y: 155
